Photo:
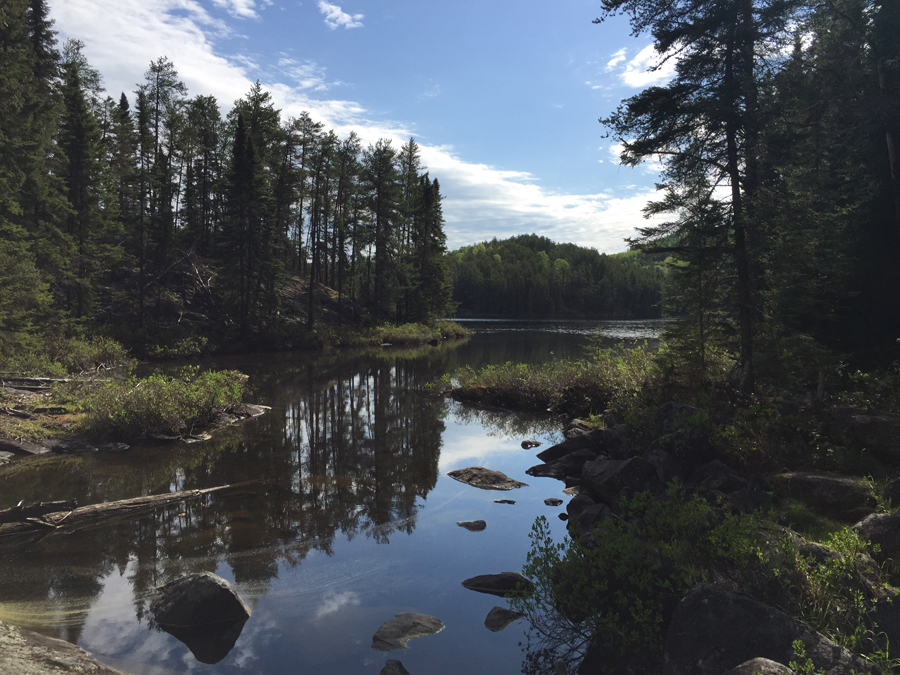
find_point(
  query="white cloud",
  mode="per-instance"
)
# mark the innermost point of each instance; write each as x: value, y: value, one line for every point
x: 647, y: 68
x: 617, y: 58
x: 480, y: 201
x: 246, y: 9
x: 334, y: 602
x: 335, y: 17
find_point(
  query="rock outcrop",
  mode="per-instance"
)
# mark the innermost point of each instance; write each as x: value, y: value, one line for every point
x: 485, y: 479
x: 394, y: 634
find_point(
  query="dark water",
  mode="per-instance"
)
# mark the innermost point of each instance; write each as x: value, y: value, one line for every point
x: 354, y: 523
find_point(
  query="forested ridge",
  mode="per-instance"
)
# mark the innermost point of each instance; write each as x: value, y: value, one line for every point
x: 779, y: 134
x: 154, y: 217
x: 532, y: 276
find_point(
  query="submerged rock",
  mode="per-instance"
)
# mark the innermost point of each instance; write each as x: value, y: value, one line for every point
x: 485, y: 479
x: 395, y: 633
x: 504, y: 501
x: 394, y: 667
x: 210, y: 643
x: 527, y: 445
x: 553, y: 501
x: 472, y: 525
x: 500, y: 617
x: 503, y: 584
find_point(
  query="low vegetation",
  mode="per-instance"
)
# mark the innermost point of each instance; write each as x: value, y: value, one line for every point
x: 160, y: 405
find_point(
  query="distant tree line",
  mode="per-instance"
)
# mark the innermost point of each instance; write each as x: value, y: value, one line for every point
x: 126, y: 212
x: 531, y: 276
x: 780, y: 138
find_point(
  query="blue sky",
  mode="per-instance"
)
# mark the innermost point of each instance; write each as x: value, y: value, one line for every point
x: 503, y: 96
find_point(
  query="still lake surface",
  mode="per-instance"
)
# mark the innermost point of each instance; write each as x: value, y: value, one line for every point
x: 354, y: 523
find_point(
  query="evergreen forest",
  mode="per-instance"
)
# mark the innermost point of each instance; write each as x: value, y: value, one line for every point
x: 155, y: 217
x: 779, y: 135
x: 531, y: 276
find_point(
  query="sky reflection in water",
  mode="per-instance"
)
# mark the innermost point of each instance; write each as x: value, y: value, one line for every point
x: 356, y: 521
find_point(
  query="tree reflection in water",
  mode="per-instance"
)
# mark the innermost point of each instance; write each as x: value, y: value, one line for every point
x: 347, y: 449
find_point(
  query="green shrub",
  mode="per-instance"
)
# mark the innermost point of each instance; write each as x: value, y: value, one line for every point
x: 620, y: 591
x: 575, y: 387
x: 59, y: 356
x: 161, y: 405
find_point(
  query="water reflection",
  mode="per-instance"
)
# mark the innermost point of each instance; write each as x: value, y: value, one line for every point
x: 351, y: 449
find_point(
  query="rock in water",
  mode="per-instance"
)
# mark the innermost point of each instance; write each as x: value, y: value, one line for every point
x: 204, y: 612
x: 197, y: 600
x: 527, y: 445
x: 22, y: 651
x: 504, y: 501
x: 472, y: 525
x: 394, y: 667
x: 503, y: 584
x: 500, y: 617
x: 486, y: 479
x: 394, y: 634
x: 553, y: 501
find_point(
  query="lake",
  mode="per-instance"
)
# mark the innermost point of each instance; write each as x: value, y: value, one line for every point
x: 354, y: 522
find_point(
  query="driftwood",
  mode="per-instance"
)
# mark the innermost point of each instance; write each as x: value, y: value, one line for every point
x: 22, y: 512
x: 70, y: 519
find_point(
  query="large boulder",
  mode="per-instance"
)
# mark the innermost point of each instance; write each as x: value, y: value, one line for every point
x: 612, y: 442
x: 715, y: 630
x: 716, y: 475
x: 204, y: 612
x: 197, y: 600
x: 393, y: 635
x: 503, y: 584
x: 882, y: 529
x: 23, y: 651
x: 608, y: 479
x: 842, y: 497
x: 485, y: 479
x: 760, y: 666
x: 569, y: 465
x: 877, y: 433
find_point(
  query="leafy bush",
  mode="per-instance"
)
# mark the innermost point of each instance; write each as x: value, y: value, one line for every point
x: 161, y: 405
x: 59, y: 356
x: 621, y: 591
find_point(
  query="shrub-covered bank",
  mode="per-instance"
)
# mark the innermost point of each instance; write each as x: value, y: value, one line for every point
x: 764, y: 523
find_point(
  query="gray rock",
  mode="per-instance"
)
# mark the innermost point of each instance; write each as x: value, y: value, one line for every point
x: 602, y: 441
x: 553, y: 501
x: 714, y: 630
x: 841, y: 497
x: 882, y: 529
x: 485, y: 479
x: 577, y: 428
x: 114, y: 447
x: 504, y: 501
x: 716, y: 475
x: 5, y: 456
x: 394, y: 634
x: 472, y: 525
x: 500, y: 617
x: 666, y: 467
x: 527, y: 445
x: 570, y: 465
x: 197, y: 600
x: 394, y: 667
x: 892, y: 492
x: 210, y: 643
x: 607, y: 479
x: 878, y: 433
x: 23, y: 651
x: 503, y: 584
x: 760, y: 666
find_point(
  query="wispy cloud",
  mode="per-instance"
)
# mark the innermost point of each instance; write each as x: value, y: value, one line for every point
x: 617, y: 58
x: 335, y: 17
x: 245, y: 9
x: 334, y: 602
x: 306, y: 75
x: 480, y: 200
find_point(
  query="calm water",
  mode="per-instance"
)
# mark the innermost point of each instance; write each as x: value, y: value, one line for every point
x: 355, y: 522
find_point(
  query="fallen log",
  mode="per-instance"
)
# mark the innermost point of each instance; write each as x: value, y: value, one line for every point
x: 82, y: 517
x: 22, y: 511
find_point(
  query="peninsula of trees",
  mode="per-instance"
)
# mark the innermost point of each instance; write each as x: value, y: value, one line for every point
x: 147, y: 213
